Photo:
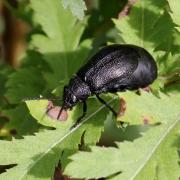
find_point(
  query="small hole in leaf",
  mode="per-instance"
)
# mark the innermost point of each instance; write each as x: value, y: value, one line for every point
x: 53, y: 112
x: 122, y: 108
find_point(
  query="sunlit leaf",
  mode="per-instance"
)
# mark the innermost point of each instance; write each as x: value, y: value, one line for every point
x: 146, y: 156
x: 77, y: 7
x: 60, y: 47
x: 175, y: 13
x: 147, y: 108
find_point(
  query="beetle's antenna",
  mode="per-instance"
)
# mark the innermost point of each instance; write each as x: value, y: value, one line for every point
x: 62, y: 108
x: 39, y: 98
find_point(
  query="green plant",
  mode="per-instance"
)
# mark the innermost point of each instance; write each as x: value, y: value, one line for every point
x: 146, y: 149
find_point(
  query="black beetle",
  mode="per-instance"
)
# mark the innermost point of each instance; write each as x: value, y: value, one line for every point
x: 114, y: 68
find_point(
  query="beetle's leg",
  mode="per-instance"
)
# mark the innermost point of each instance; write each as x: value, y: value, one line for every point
x: 104, y: 102
x: 62, y: 108
x: 47, y: 111
x: 81, y: 117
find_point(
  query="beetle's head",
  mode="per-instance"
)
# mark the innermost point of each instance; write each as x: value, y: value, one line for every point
x: 69, y: 98
x: 76, y: 91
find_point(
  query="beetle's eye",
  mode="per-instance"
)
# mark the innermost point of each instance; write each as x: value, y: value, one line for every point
x: 74, y: 98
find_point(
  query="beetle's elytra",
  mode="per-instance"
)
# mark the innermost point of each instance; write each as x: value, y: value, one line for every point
x: 113, y: 68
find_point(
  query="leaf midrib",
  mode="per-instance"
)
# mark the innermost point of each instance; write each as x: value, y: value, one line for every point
x: 155, y: 147
x: 62, y: 138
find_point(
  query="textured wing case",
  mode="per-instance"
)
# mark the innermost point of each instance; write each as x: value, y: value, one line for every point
x: 108, y: 66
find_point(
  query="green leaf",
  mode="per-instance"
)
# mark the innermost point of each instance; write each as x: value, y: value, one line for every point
x: 56, y: 51
x: 29, y: 80
x: 175, y: 13
x: 148, y: 25
x: 21, y: 123
x: 34, y: 155
x: 38, y: 110
x: 61, y: 26
x: 33, y: 58
x: 168, y: 64
x: 163, y: 164
x: 174, y: 89
x: 169, y: 70
x: 77, y: 7
x: 26, y: 82
x: 60, y: 46
x: 153, y: 155
x: 38, y: 155
x: 5, y: 70
x: 147, y: 108
x: 137, y: 27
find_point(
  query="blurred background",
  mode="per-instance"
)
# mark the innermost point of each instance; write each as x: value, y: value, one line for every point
x: 13, y: 29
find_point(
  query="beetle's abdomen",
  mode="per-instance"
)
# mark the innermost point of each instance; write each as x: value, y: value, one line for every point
x: 145, y: 73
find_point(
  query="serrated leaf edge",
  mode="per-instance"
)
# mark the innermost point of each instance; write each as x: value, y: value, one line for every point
x: 155, y: 147
x: 66, y: 135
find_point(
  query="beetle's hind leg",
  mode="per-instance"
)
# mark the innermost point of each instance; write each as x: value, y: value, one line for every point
x: 104, y: 102
x: 81, y: 117
x: 112, y: 110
